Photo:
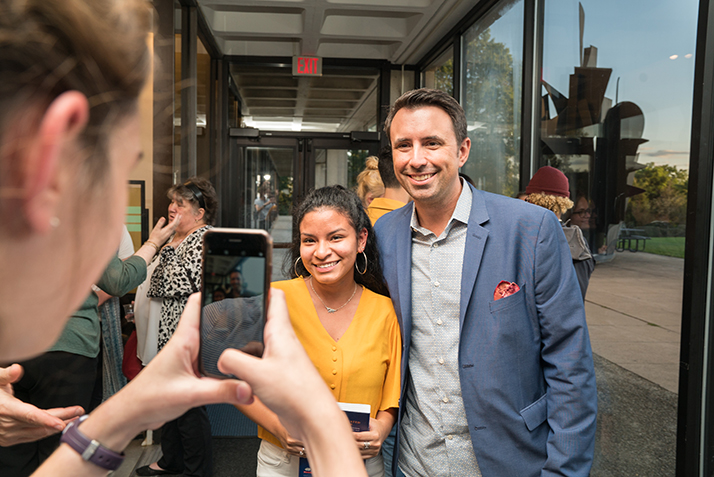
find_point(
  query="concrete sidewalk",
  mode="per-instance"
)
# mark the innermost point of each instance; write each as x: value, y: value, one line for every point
x: 634, y: 313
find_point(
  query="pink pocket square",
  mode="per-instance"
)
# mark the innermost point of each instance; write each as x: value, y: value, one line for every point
x: 504, y: 289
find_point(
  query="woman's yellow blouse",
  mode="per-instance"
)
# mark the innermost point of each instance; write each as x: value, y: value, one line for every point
x: 364, y: 365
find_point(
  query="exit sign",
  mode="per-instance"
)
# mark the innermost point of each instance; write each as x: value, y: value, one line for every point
x: 307, y: 66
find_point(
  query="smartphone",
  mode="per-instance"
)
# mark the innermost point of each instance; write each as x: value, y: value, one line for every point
x: 237, y: 267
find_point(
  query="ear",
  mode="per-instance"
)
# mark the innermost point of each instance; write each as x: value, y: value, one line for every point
x: 464, y: 151
x: 45, y: 159
x: 200, y: 213
x: 362, y: 240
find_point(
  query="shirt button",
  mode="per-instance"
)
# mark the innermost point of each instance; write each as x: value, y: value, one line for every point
x: 436, y: 245
x: 441, y: 360
x: 332, y: 386
x: 449, y: 437
x: 334, y: 348
x: 334, y: 358
x: 439, y: 322
x: 334, y: 371
x: 445, y: 399
x: 436, y: 284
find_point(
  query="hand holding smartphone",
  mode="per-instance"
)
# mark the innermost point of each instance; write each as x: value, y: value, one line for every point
x: 238, y: 264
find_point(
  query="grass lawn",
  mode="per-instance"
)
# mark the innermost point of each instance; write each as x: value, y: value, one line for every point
x: 669, y: 246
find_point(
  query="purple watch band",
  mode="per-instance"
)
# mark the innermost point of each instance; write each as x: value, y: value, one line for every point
x: 90, y: 450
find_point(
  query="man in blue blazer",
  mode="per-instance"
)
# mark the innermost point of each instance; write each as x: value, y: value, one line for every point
x: 497, y: 370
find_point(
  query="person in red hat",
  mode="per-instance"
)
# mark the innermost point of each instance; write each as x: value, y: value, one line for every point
x: 549, y: 188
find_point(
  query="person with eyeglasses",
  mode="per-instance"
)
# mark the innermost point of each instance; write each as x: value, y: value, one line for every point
x: 582, y: 213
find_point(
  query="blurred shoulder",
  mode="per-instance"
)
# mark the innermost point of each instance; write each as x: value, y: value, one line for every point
x: 390, y: 220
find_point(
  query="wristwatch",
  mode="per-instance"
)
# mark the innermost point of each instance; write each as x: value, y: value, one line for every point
x: 90, y: 449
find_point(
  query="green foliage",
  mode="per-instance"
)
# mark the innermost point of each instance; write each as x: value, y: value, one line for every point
x: 444, y: 77
x: 285, y: 195
x: 664, y: 198
x: 669, y: 246
x: 489, y: 105
x: 355, y: 165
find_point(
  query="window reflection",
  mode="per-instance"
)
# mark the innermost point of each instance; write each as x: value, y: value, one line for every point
x: 615, y: 116
x: 440, y: 73
x: 492, y: 77
x: 615, y: 119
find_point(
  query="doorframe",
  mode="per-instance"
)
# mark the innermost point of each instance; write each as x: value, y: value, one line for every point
x: 303, y: 144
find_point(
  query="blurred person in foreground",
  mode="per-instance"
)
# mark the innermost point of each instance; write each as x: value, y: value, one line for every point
x: 66, y: 374
x: 71, y: 73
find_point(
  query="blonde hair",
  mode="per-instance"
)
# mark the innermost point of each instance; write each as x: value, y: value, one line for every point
x: 558, y: 205
x: 369, y: 182
x: 49, y: 47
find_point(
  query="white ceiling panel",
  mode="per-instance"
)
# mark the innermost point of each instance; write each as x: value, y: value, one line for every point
x: 398, y: 31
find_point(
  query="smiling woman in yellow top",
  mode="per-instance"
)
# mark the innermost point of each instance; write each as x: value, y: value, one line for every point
x: 347, y: 325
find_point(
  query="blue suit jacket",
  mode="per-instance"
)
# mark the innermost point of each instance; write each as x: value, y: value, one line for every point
x: 525, y: 362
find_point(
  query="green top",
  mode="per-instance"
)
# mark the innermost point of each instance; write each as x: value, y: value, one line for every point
x: 82, y: 332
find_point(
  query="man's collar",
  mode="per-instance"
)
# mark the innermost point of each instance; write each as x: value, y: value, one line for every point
x: 461, y: 211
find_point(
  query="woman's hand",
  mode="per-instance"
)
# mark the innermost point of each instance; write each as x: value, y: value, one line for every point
x: 163, y: 231
x: 22, y: 422
x: 288, y: 383
x: 370, y: 442
x: 158, y: 238
x: 165, y: 389
x: 291, y: 445
x: 169, y: 386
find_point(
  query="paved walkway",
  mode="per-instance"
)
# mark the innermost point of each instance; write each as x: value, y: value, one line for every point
x: 634, y: 312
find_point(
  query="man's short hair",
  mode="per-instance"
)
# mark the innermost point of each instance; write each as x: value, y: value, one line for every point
x: 386, y: 168
x: 419, y: 98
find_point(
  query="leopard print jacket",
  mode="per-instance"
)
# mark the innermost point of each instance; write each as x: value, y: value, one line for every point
x: 177, y: 275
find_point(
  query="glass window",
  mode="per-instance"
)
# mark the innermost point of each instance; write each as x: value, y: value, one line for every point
x: 440, y: 73
x: 615, y: 116
x: 203, y: 108
x: 339, y: 166
x: 177, y: 93
x: 492, y: 78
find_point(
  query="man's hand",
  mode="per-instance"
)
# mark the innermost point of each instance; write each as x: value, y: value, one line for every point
x: 21, y: 422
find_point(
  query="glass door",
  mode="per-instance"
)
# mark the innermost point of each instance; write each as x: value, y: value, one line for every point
x: 266, y: 176
x: 340, y: 160
x: 257, y: 190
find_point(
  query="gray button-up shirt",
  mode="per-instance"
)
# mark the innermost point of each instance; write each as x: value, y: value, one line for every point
x: 435, y: 434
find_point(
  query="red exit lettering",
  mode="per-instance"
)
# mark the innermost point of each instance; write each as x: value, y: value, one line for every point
x: 307, y: 66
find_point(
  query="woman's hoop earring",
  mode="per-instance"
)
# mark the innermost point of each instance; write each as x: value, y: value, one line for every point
x: 295, y: 267
x: 365, y: 265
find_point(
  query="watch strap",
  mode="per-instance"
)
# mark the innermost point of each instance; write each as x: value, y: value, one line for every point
x: 90, y: 449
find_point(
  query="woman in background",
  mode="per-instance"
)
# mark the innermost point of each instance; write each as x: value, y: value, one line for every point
x: 186, y: 441
x: 369, y: 182
x: 345, y: 322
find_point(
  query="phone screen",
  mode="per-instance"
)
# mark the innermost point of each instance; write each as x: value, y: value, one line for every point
x: 236, y: 280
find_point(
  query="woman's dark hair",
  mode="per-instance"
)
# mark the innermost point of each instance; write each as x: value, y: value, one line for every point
x: 348, y: 204
x: 200, y: 193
